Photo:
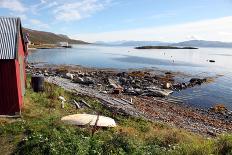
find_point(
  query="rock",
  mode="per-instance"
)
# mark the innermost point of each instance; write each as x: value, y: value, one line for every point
x: 69, y: 76
x: 131, y: 91
x: 104, y: 92
x: 112, y: 83
x: 212, y: 61
x: 117, y: 91
x: 122, y: 80
x: 197, y: 81
x: 117, y: 88
x: 85, y: 80
x: 29, y: 67
x: 167, y: 85
x: 81, y: 74
x: 46, y: 74
x: 88, y: 81
x: 219, y: 108
x: 99, y: 85
x: 211, y: 133
x: 156, y: 92
x: 78, y: 80
x: 168, y: 73
x: 123, y: 74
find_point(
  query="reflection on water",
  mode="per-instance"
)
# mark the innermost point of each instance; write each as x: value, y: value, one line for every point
x: 190, y: 61
x: 152, y: 61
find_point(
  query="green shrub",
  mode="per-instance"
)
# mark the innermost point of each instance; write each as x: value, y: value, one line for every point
x: 223, y: 145
x: 204, y: 148
x: 53, y: 142
x: 119, y: 144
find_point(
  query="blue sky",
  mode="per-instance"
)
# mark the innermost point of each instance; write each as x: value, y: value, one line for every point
x: 110, y: 20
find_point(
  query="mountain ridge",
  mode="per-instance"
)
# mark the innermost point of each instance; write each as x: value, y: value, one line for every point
x: 42, y: 37
x: 192, y: 43
x: 204, y: 43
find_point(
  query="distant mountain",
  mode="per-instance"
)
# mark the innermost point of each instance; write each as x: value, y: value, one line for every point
x: 49, y: 38
x: 203, y: 43
x: 190, y: 43
x: 133, y: 43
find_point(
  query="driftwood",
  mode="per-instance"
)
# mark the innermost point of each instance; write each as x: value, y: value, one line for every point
x: 85, y: 103
x: 119, y: 101
x: 127, y: 101
x: 77, y: 104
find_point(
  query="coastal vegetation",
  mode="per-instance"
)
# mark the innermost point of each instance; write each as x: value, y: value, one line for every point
x: 164, y: 47
x: 40, y: 131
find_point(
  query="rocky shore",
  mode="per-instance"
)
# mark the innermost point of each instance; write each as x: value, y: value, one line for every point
x: 140, y: 93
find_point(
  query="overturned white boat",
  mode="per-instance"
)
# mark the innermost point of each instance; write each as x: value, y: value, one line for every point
x: 87, y: 119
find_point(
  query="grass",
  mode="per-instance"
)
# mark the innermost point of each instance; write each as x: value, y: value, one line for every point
x: 40, y: 131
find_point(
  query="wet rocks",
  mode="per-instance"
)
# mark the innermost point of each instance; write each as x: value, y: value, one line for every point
x: 84, y: 80
x: 78, y: 80
x: 219, y: 108
x: 212, y: 61
x: 197, y: 81
x: 167, y: 85
x: 133, y: 83
x: 69, y: 76
x: 157, y: 92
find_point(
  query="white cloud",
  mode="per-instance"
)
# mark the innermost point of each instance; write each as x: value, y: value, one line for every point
x: 13, y: 5
x: 78, y: 10
x: 22, y: 16
x: 43, y: 1
x: 215, y: 29
x: 37, y: 8
x: 151, y: 17
x: 38, y: 24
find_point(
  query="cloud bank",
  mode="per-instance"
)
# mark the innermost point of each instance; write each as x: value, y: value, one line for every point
x: 13, y: 5
x: 215, y: 29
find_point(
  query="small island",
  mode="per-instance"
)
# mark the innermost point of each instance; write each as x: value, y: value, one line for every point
x: 164, y: 47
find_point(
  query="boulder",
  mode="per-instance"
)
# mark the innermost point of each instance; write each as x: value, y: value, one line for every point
x: 167, y: 85
x: 157, y: 92
x: 88, y: 81
x: 78, y: 80
x: 69, y: 76
x: 219, y: 108
x: 212, y: 61
x: 197, y: 81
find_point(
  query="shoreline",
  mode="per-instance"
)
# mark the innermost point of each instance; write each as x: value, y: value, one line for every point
x: 151, y: 107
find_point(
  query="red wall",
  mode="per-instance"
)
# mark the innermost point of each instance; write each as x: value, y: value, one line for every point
x: 11, y: 97
x: 20, y: 53
x: 9, y: 101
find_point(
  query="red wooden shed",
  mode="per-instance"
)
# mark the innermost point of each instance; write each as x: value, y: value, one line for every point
x: 12, y: 66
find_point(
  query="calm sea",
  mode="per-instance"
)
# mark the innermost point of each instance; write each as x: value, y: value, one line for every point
x: 193, y: 62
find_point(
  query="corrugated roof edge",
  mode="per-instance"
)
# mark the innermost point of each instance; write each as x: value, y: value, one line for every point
x: 19, y: 30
